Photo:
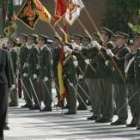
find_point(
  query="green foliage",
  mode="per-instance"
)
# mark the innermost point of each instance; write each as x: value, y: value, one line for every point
x: 120, y: 13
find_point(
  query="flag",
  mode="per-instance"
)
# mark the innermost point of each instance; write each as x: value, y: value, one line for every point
x: 10, y: 21
x: 73, y: 10
x: 43, y: 13
x: 62, y: 88
x: 28, y: 14
x: 60, y: 10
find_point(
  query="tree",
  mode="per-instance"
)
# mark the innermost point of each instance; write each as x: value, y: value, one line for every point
x: 120, y: 13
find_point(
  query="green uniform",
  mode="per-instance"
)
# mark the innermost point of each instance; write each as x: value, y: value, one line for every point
x: 131, y: 62
x: 34, y: 73
x: 24, y: 57
x: 120, y: 86
x: 14, y: 63
x: 81, y: 87
x: 136, y: 100
x: 45, y: 75
x: 70, y: 80
x: 92, y: 79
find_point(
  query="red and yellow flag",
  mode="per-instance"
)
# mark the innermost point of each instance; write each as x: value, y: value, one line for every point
x: 43, y: 13
x: 60, y: 10
x: 62, y: 88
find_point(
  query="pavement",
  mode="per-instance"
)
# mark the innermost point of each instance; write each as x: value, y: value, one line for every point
x: 34, y: 125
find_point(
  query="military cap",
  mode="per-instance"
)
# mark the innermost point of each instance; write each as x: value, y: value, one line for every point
x: 121, y: 34
x: 33, y: 36
x: 58, y: 38
x: 86, y: 38
x: 107, y: 31
x: 95, y: 36
x: 80, y: 37
x: 49, y: 41
x: 24, y: 35
x: 10, y: 39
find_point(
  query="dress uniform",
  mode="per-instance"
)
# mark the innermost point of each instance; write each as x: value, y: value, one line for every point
x: 91, y: 52
x: 104, y: 82
x: 5, y: 83
x: 11, y: 45
x: 45, y: 72
x: 119, y: 83
x: 24, y: 57
x: 70, y: 79
x: 33, y: 73
x: 80, y: 69
x: 55, y: 54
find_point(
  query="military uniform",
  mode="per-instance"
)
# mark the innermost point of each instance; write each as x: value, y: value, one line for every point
x: 14, y: 61
x: 45, y: 76
x: 34, y: 74
x: 24, y: 57
x: 70, y: 79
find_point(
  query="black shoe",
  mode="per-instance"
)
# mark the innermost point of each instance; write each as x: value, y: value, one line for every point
x: 118, y: 123
x: 45, y: 109
x: 26, y: 106
x: 93, y: 117
x: 6, y: 127
x: 103, y: 120
x: 34, y: 107
x: 12, y: 104
x: 69, y: 113
x: 131, y: 125
x: 81, y: 108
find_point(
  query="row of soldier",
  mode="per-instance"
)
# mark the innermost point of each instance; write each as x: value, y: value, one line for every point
x: 106, y: 72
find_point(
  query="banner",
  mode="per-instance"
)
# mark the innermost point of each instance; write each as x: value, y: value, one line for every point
x: 60, y: 10
x: 10, y: 21
x: 43, y: 13
x: 28, y: 15
x: 73, y: 11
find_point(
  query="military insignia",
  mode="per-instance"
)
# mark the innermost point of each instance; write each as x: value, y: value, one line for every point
x: 28, y: 14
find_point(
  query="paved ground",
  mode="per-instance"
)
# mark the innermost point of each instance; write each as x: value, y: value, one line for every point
x: 35, y: 125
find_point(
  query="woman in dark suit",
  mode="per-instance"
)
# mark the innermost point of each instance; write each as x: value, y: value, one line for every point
x: 5, y: 85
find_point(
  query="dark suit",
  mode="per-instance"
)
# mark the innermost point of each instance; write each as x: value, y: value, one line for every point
x: 5, y: 82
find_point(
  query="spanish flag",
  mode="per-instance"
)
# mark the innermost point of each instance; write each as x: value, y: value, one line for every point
x: 43, y: 13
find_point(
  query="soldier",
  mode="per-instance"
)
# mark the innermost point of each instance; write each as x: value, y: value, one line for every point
x: 45, y: 72
x: 132, y: 73
x: 33, y: 63
x: 119, y: 81
x: 70, y: 79
x: 24, y: 56
x: 104, y: 82
x: 91, y: 79
x: 80, y: 69
x: 11, y: 45
x: 55, y: 52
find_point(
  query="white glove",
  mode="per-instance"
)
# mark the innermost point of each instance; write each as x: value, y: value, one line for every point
x: 80, y: 76
x: 87, y: 61
x: 25, y: 75
x: 96, y: 44
x: 75, y: 63
x: 34, y: 76
x: 46, y: 79
x: 71, y: 84
x: 109, y: 52
x: 106, y: 62
x: 12, y: 87
x: 67, y: 49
